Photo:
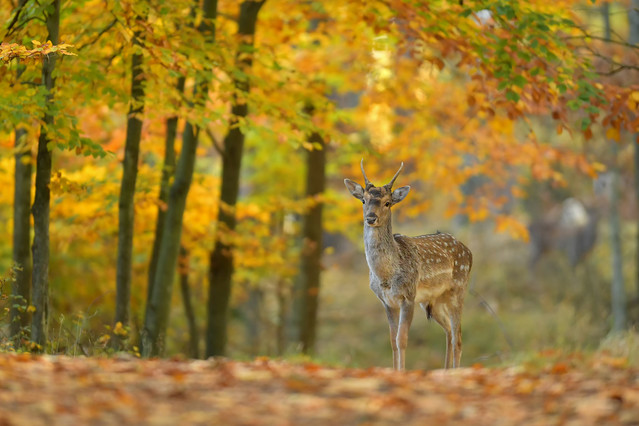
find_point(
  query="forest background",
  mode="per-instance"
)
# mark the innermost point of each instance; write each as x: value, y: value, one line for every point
x: 516, y: 123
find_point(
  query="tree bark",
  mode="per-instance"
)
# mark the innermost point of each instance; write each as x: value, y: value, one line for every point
x: 168, y: 170
x: 311, y: 266
x: 221, y: 260
x: 157, y: 314
x: 253, y: 320
x: 633, y: 38
x: 283, y: 299
x: 126, y: 206
x: 618, y: 293
x: 158, y: 308
x: 21, y: 289
x: 41, y: 202
x: 189, y: 312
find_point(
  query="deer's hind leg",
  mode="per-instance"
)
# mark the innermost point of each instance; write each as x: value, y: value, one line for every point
x: 440, y: 314
x: 455, y: 322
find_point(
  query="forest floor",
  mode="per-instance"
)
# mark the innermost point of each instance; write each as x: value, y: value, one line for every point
x: 552, y: 389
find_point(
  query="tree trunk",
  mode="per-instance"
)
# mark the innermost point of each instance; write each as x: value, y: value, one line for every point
x: 633, y: 38
x: 183, y: 270
x: 41, y: 207
x: 311, y: 266
x: 618, y: 289
x: 168, y: 169
x: 618, y: 293
x: 157, y: 313
x: 282, y: 315
x: 21, y: 289
x: 221, y: 260
x: 253, y: 321
x: 126, y: 206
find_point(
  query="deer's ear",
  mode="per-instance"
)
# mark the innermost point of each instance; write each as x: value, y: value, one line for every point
x: 400, y: 193
x: 355, y: 189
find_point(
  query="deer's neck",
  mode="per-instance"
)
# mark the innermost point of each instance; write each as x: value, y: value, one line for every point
x: 381, y: 250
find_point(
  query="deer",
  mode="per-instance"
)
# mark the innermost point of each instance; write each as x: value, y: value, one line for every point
x: 431, y: 270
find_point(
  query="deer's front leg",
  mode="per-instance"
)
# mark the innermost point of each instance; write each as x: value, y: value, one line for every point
x: 405, y: 320
x: 393, y: 323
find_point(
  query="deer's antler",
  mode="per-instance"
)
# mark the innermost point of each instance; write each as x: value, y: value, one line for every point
x: 390, y: 184
x: 366, y: 181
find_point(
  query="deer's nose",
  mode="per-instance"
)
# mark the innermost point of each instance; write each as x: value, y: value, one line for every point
x: 371, y: 218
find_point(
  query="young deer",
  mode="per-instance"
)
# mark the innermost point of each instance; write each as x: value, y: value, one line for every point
x: 431, y: 270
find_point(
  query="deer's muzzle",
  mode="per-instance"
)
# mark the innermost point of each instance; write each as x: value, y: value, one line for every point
x: 371, y: 218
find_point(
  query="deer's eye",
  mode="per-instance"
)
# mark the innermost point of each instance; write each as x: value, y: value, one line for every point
x: 387, y: 203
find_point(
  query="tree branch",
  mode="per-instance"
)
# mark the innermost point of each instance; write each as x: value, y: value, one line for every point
x: 99, y: 35
x: 587, y: 35
x: 13, y: 22
x: 214, y: 141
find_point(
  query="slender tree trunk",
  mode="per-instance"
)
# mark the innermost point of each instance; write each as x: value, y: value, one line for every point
x: 41, y: 207
x: 636, y: 165
x: 618, y: 307
x: 633, y: 24
x: 168, y: 170
x: 283, y: 293
x: 311, y: 267
x: 21, y: 289
x: 126, y: 206
x: 618, y: 293
x: 221, y: 261
x: 189, y: 312
x: 157, y: 313
x: 283, y: 298
x: 253, y: 324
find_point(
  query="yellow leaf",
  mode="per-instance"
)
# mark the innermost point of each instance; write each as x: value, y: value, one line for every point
x: 119, y: 329
x: 31, y: 308
x: 512, y: 226
x: 613, y: 134
x: 36, y: 43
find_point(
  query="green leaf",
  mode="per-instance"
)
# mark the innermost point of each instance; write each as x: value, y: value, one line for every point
x: 573, y: 104
x: 466, y: 13
x: 512, y: 96
x: 520, y: 81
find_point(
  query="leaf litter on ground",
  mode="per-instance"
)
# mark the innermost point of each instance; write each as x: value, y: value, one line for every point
x: 52, y: 390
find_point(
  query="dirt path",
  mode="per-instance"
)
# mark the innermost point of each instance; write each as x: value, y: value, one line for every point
x: 62, y: 390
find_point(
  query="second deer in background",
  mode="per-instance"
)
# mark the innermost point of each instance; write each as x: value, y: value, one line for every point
x: 431, y: 270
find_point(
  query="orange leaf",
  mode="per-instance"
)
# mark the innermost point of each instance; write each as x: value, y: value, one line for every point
x: 613, y: 134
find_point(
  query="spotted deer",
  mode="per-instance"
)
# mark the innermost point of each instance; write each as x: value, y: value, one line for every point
x: 431, y: 270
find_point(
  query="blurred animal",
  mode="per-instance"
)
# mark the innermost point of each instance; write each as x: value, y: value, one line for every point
x: 431, y: 270
x: 570, y: 228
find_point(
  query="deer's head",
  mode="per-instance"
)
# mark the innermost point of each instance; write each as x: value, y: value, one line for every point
x: 377, y: 200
